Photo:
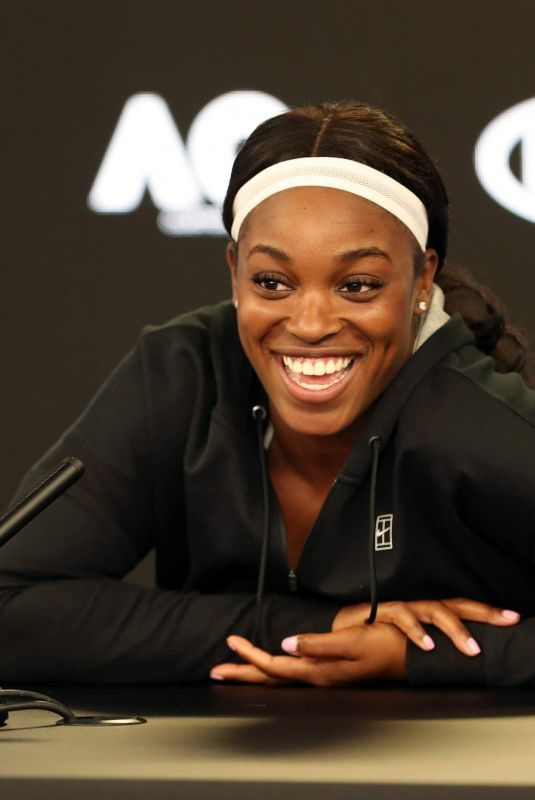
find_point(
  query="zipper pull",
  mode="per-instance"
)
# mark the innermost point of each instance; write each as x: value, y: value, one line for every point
x: 292, y: 581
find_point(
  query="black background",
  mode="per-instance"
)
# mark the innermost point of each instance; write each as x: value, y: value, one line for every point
x: 77, y: 286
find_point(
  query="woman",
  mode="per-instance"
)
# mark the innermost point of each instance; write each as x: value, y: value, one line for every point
x: 331, y: 437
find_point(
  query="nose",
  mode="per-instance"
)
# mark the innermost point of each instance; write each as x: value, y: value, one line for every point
x: 313, y: 317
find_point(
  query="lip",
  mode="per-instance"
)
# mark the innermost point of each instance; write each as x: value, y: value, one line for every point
x: 301, y: 352
x: 311, y: 396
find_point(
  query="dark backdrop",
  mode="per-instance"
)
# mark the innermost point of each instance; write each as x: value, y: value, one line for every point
x: 77, y: 286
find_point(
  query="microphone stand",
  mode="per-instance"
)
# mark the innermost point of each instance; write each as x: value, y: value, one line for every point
x: 15, y: 518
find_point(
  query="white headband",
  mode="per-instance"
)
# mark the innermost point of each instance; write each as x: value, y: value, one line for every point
x: 333, y: 173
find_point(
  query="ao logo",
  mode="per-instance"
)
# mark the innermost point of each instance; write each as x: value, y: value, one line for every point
x: 514, y: 127
x: 147, y: 153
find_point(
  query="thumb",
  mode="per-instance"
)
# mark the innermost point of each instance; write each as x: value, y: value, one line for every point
x: 345, y: 643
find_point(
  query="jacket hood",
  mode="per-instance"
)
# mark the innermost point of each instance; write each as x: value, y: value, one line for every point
x: 383, y: 415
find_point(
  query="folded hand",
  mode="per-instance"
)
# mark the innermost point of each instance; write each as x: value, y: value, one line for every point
x: 443, y: 614
x: 355, y: 652
x: 349, y: 656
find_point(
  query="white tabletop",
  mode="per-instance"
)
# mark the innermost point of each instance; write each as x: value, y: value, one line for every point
x: 481, y: 752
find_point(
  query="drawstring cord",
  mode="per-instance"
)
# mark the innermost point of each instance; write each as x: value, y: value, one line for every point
x: 375, y: 443
x: 259, y: 415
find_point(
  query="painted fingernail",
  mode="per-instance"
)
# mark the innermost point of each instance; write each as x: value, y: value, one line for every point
x: 512, y: 615
x: 473, y: 646
x: 289, y: 645
x: 215, y: 676
x: 428, y: 643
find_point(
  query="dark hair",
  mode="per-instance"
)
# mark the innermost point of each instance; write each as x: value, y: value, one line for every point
x: 486, y: 316
x: 346, y: 130
x: 374, y: 137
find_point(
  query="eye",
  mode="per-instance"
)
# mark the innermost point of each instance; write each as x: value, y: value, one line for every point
x: 271, y: 283
x: 359, y: 285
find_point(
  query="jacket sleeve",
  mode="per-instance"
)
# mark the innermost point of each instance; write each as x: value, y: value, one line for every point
x: 507, y: 658
x: 65, y: 612
x: 489, y: 472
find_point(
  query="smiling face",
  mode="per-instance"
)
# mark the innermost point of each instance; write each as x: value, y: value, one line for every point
x: 327, y: 304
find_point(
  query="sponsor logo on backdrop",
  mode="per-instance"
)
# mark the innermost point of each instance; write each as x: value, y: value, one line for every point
x: 512, y: 132
x: 186, y: 180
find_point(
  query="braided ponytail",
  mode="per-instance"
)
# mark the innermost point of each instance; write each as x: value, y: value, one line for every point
x: 486, y: 317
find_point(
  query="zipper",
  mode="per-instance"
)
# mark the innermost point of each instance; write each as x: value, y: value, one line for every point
x: 291, y: 577
x: 292, y: 580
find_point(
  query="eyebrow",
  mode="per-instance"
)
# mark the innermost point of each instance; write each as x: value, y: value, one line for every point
x: 348, y: 256
x: 274, y: 252
x: 362, y: 252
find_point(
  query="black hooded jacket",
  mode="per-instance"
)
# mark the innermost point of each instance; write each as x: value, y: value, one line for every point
x: 172, y: 460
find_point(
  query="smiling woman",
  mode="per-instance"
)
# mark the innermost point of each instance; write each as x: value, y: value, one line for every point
x: 333, y: 437
x: 323, y: 276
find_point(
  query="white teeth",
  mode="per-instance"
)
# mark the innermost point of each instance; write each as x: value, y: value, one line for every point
x: 316, y: 366
x: 335, y: 367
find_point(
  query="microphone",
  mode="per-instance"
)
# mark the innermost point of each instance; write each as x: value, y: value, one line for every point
x: 38, y: 498
x: 15, y: 518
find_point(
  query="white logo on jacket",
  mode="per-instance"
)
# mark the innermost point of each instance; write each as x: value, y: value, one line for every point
x: 383, y: 532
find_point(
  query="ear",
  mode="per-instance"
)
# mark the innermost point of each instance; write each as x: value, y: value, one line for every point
x: 232, y: 261
x: 424, y: 281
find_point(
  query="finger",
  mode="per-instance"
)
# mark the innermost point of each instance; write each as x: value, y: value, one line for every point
x: 285, y: 668
x: 446, y: 620
x: 403, y: 617
x: 363, y: 649
x: 351, y: 655
x: 346, y: 643
x: 409, y: 616
x: 481, y: 612
x: 249, y: 652
x: 275, y: 666
x: 244, y: 673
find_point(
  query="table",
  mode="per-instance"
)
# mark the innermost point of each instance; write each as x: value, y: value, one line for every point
x: 228, y: 741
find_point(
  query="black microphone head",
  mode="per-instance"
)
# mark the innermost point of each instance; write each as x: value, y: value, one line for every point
x: 76, y: 463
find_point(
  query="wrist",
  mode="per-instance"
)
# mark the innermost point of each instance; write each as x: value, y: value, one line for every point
x: 398, y: 666
x: 396, y: 647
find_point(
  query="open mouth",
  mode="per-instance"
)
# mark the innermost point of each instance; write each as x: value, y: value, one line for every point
x: 317, y: 374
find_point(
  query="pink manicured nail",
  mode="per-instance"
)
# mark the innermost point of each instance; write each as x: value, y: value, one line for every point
x: 512, y: 615
x: 428, y: 643
x: 215, y: 676
x: 289, y: 645
x: 473, y: 646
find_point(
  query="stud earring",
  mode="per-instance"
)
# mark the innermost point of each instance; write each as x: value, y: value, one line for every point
x: 236, y: 304
x: 422, y: 305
